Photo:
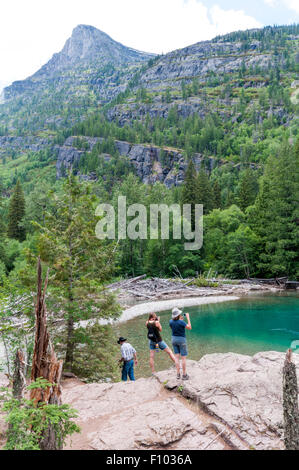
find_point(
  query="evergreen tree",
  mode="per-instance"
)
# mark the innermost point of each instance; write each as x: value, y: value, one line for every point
x: 247, y: 189
x: 216, y: 194
x: 276, y: 214
x: 79, y: 262
x: 190, y: 189
x: 204, y: 193
x: 16, y: 214
x: 190, y: 185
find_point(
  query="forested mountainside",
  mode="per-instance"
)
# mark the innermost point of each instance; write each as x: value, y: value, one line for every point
x: 214, y: 123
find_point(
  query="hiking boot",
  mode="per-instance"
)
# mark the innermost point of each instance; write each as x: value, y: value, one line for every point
x: 185, y: 377
x: 178, y: 376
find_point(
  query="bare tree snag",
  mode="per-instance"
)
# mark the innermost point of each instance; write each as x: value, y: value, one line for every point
x: 290, y: 404
x: 18, y: 380
x: 45, y: 363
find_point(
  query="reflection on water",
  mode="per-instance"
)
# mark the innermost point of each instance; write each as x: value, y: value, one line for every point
x: 247, y: 326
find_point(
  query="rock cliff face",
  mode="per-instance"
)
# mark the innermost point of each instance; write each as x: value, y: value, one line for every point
x: 201, y: 58
x: 197, y: 61
x: 20, y: 144
x: 152, y: 164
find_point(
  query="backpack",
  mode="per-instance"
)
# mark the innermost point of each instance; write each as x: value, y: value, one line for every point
x: 152, y: 333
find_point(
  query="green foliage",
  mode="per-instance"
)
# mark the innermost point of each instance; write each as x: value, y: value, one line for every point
x: 201, y: 281
x: 275, y: 214
x: 28, y: 422
x: 16, y: 214
x: 80, y: 262
x: 96, y: 357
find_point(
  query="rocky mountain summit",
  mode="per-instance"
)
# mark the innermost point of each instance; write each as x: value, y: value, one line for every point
x: 88, y: 47
x: 92, y: 45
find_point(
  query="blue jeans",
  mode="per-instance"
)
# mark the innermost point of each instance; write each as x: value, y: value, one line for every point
x: 128, y: 370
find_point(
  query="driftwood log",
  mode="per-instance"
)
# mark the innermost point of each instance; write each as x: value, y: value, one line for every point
x: 45, y: 364
x: 290, y: 404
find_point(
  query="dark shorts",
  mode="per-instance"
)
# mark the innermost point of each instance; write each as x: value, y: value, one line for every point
x: 179, y: 344
x: 162, y: 345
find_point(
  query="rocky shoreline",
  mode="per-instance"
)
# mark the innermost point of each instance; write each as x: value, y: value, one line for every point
x: 142, y: 291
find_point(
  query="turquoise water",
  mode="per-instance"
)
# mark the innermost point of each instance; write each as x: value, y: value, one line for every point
x: 246, y: 326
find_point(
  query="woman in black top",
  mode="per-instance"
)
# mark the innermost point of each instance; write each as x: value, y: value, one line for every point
x: 155, y: 340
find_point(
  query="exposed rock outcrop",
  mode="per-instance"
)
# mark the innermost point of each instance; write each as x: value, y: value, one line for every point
x: 231, y: 401
x: 137, y: 415
x: 21, y: 144
x: 201, y: 58
x: 244, y: 392
x: 152, y: 164
x: 232, y: 394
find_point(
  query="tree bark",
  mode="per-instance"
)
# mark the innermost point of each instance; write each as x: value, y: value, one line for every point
x: 290, y: 404
x: 19, y: 381
x: 45, y: 363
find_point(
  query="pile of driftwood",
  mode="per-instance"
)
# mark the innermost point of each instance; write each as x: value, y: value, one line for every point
x: 154, y: 287
x: 276, y: 281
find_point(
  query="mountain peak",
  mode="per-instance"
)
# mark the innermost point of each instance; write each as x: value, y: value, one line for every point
x: 89, y: 44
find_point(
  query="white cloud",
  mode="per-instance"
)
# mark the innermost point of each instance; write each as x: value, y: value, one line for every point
x: 292, y: 5
x: 272, y: 3
x: 226, y: 21
x: 32, y: 30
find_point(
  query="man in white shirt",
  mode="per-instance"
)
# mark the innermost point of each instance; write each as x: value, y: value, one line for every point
x: 128, y: 357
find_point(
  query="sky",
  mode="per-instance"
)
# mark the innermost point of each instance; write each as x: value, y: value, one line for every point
x: 31, y: 31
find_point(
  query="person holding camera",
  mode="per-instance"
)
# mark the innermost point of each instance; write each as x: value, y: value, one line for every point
x: 179, y: 343
x: 155, y: 341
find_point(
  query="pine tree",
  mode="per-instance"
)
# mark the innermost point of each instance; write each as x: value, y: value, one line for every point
x: 190, y: 186
x: 190, y: 189
x: 276, y: 214
x: 216, y: 194
x: 79, y: 262
x: 16, y: 214
x: 204, y: 193
x: 247, y: 189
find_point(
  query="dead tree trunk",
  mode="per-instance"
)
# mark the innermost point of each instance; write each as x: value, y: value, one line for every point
x: 290, y: 404
x: 18, y: 380
x: 45, y: 363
